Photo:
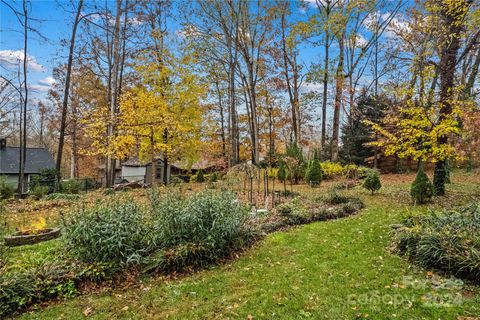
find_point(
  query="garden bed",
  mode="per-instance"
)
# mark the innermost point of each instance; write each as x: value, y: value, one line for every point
x: 447, y: 241
x: 303, y: 211
x: 187, y: 234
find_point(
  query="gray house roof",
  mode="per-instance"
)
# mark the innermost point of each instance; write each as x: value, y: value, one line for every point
x: 135, y: 162
x: 36, y: 160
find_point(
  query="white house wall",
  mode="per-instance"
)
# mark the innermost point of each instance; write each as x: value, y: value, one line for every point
x: 132, y: 174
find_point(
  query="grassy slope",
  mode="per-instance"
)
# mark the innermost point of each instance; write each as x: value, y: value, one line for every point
x: 309, y: 272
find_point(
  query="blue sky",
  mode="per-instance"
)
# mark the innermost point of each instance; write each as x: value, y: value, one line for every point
x: 43, y: 55
x: 54, y: 23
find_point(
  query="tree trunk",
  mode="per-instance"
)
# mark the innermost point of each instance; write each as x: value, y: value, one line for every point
x: 338, y: 97
x: 452, y: 20
x: 232, y: 55
x: 63, y: 121
x: 325, y: 90
x: 153, y: 161
x: 74, y: 173
x: 23, y: 119
x: 271, y: 150
x: 114, y: 91
x: 473, y: 75
x: 165, y: 159
x: 222, y: 121
x: 293, y: 98
x: 253, y: 104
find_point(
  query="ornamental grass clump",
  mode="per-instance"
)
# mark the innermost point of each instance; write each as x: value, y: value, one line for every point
x: 198, y: 230
x: 119, y: 232
x: 449, y: 241
x: 209, y: 217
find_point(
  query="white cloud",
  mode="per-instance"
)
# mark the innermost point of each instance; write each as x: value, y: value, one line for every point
x: 398, y: 23
x: 310, y: 86
x: 188, y: 31
x: 97, y: 18
x: 313, y: 3
x: 361, y: 41
x: 48, y: 81
x: 38, y: 88
x: 11, y: 59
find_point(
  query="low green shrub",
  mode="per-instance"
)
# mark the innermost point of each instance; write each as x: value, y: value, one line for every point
x: 46, y: 281
x: 372, y: 181
x: 118, y: 231
x: 334, y: 197
x: 108, y: 191
x: 449, y: 241
x: 17, y: 291
x: 198, y: 177
x: 46, y: 177
x: 70, y: 186
x: 299, y: 211
x: 213, y: 177
x: 175, y: 180
x: 62, y: 196
x: 352, y: 171
x: 282, y: 172
x: 6, y: 190
x: 39, y: 191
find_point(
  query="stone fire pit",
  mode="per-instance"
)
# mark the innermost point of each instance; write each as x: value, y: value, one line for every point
x: 21, y: 238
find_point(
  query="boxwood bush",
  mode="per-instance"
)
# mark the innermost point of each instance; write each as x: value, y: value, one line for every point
x: 70, y: 186
x: 449, y: 241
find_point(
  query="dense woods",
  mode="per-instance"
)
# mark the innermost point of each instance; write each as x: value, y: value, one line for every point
x: 233, y: 81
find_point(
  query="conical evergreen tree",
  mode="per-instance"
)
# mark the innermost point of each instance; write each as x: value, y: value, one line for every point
x: 313, y: 175
x: 422, y: 189
x: 372, y: 181
x: 200, y: 177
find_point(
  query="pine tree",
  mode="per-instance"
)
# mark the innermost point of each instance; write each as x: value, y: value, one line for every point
x: 372, y: 181
x: 422, y: 188
x: 356, y: 134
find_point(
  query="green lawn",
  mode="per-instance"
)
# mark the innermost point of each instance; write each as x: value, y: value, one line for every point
x: 339, y: 269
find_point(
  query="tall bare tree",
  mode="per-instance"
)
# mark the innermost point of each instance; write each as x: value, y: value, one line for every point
x: 63, y: 120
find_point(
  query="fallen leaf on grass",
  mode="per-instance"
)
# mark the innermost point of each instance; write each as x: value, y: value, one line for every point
x: 87, y: 311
